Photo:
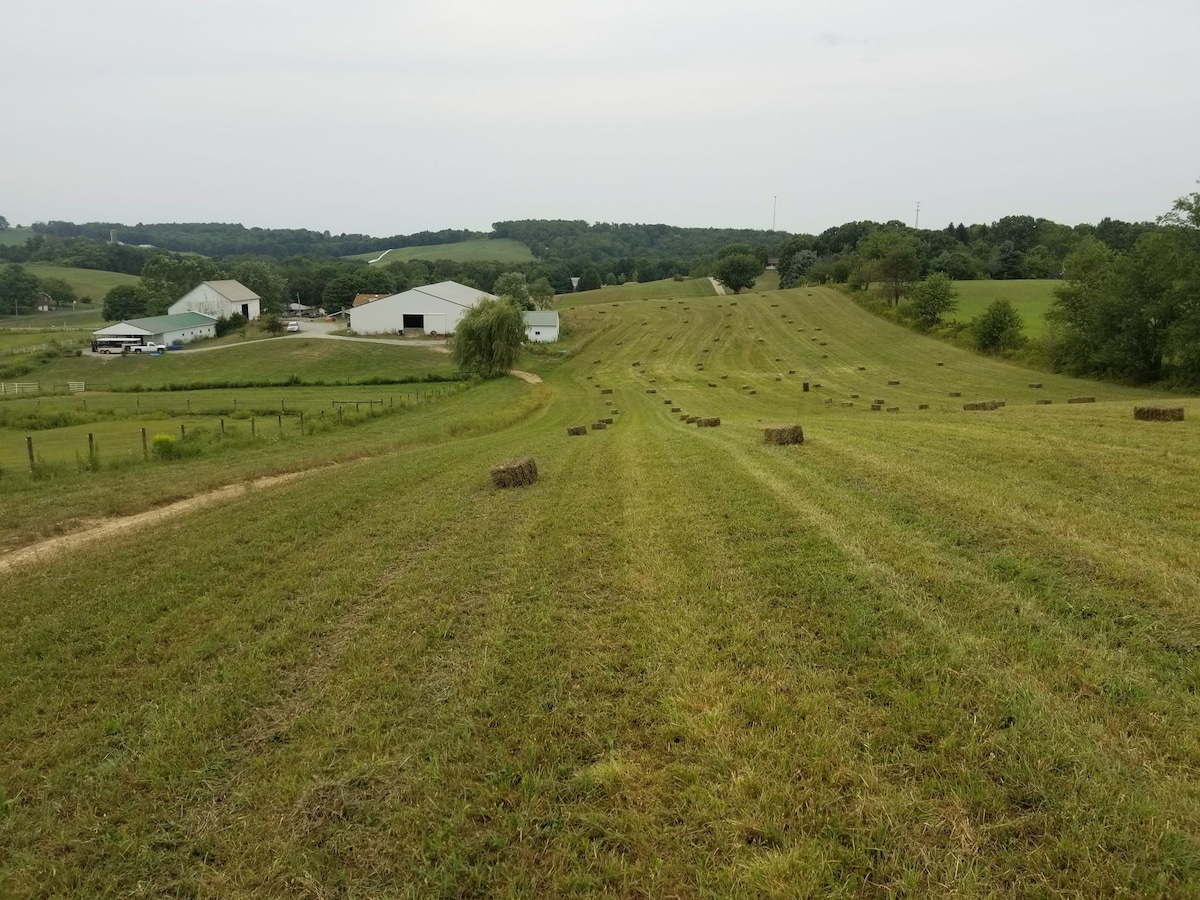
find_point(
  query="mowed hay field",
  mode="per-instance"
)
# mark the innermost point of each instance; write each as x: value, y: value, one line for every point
x: 483, y: 250
x: 87, y: 282
x: 929, y: 652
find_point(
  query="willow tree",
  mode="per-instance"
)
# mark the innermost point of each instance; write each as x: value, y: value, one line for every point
x: 488, y: 339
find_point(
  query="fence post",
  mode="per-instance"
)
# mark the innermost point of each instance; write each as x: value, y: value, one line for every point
x: 222, y: 428
x: 85, y: 404
x: 252, y: 430
x: 29, y: 447
x: 182, y: 433
x: 145, y: 449
x: 91, y: 446
x: 138, y: 401
x: 302, y: 421
x: 339, y: 414
x: 189, y: 404
x: 280, y: 418
x: 356, y: 406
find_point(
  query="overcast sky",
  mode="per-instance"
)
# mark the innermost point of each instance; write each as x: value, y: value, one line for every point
x: 387, y: 117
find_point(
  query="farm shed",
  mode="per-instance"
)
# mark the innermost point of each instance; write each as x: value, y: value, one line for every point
x: 177, y: 329
x: 219, y: 299
x: 541, y: 327
x: 434, y: 309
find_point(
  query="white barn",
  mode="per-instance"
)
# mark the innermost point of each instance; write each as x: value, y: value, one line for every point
x: 541, y: 326
x: 219, y: 299
x: 435, y: 309
x: 177, y: 329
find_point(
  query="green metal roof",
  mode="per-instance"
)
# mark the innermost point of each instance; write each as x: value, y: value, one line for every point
x: 159, y: 324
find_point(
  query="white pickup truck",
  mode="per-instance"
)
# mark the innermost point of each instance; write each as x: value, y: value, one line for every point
x: 150, y: 347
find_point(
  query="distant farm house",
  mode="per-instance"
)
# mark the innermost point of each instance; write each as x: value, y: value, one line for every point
x: 435, y: 309
x: 219, y: 299
x: 773, y: 262
x: 541, y: 326
x: 45, y: 302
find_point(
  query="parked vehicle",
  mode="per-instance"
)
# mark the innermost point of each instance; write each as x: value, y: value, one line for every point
x: 293, y: 326
x: 149, y: 347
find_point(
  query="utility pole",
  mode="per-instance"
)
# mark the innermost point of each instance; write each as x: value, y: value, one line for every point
x: 918, y: 225
x: 774, y: 207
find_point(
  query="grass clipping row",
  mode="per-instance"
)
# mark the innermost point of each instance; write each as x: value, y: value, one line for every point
x: 783, y: 434
x: 515, y: 473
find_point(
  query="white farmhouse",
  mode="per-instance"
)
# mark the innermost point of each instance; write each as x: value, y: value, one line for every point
x: 435, y: 309
x: 541, y: 326
x: 219, y: 299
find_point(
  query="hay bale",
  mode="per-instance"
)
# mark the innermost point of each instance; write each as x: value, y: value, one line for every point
x: 606, y: 390
x: 745, y: 387
x: 712, y: 384
x: 1035, y: 384
x: 922, y: 406
x: 854, y: 396
x: 875, y: 407
x: 791, y: 371
x: 821, y: 343
x: 956, y: 393
x: 615, y: 412
x: 575, y: 430
x: 707, y: 422
x: 941, y: 364
x: 668, y: 403
x: 683, y: 417
x: 1044, y: 402
x: 691, y: 420
x: 804, y: 387
x: 753, y: 391
x: 982, y: 405
x: 651, y: 390
x: 608, y: 403
x: 893, y: 382
x: 816, y: 329
x: 607, y: 421
x: 1082, y: 400
x: 515, y: 473
x: 847, y: 403
x: 724, y: 376
x: 599, y: 426
x: 816, y: 384
x: 1158, y: 413
x: 779, y: 378
x: 893, y: 409
x: 880, y: 402
x: 636, y: 363
x: 779, y: 359
x: 861, y: 368
x: 783, y: 434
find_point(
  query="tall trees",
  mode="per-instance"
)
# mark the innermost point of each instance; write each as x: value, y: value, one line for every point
x: 895, y: 260
x: 340, y: 290
x: 18, y: 290
x: 512, y: 286
x: 167, y: 277
x: 488, y: 339
x: 125, y: 301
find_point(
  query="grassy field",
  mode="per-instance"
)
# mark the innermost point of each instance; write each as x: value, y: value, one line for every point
x: 272, y: 360
x: 11, y: 237
x: 927, y: 653
x: 483, y: 250
x: 87, y: 282
x: 1030, y: 297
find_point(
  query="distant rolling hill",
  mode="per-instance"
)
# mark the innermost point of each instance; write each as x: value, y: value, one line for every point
x: 500, y: 250
x: 1031, y: 298
x: 87, y: 282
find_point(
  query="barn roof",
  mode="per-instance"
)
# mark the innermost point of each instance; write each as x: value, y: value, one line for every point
x: 537, y: 318
x: 233, y: 291
x: 157, y: 324
x: 452, y: 292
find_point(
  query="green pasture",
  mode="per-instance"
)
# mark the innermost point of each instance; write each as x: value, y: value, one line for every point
x: 668, y: 288
x: 11, y: 237
x: 1031, y: 298
x: 87, y: 282
x: 277, y: 359
x: 927, y: 653
x: 482, y: 250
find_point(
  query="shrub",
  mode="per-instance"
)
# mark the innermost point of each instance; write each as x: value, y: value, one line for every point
x: 164, y: 446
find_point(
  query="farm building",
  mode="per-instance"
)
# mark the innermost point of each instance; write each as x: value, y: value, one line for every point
x: 360, y: 299
x: 541, y: 326
x: 172, y: 329
x: 434, y: 309
x: 219, y: 299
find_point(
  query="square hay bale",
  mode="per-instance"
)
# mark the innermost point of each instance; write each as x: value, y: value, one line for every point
x: 691, y: 420
x: 608, y: 403
x: 668, y: 403
x: 783, y: 434
x: 599, y: 426
x: 922, y: 406
x: 821, y: 343
x: 675, y: 409
x: 753, y: 391
x: 683, y: 417
x: 854, y: 396
x: 941, y: 364
x: 847, y: 403
x: 893, y: 382
x: 982, y: 405
x: 893, y: 409
x: 606, y: 390
x: 575, y: 430
x: 816, y: 384
x: 1082, y: 400
x: 707, y: 422
x: 861, y: 368
x: 1035, y: 384
x: 607, y: 421
x: 880, y: 402
x: 791, y: 371
x: 804, y: 387
x: 615, y: 412
x: 651, y: 390
x: 779, y: 378
x: 1158, y: 413
x: 724, y: 376
x: 779, y: 359
x: 1044, y: 402
x: 745, y: 387
x: 875, y: 407
x: 636, y: 363
x: 816, y: 329
x: 956, y: 393
x: 515, y: 473
x: 712, y: 384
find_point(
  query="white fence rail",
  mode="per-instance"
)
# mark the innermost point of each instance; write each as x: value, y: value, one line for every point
x: 19, y: 387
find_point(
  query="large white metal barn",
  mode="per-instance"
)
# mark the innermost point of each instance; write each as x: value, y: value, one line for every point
x: 434, y: 309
